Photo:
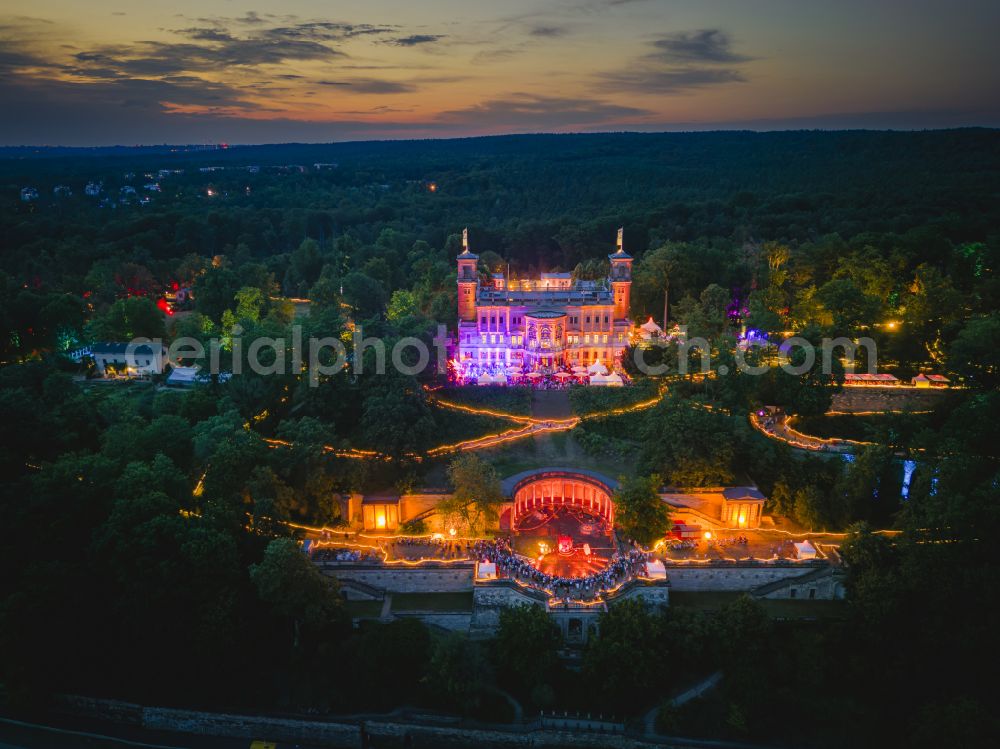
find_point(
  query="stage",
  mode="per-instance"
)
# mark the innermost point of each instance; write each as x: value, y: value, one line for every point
x: 537, y: 535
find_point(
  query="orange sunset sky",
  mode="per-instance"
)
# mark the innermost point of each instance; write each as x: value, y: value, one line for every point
x: 100, y: 72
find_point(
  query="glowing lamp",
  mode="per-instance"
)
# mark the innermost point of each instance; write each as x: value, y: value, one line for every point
x: 708, y: 535
x: 452, y: 531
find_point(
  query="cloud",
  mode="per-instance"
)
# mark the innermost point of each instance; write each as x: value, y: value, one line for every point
x: 489, y: 56
x: 415, y: 40
x: 703, y: 46
x: 680, y: 62
x: 373, y: 86
x: 324, y: 31
x: 522, y: 110
x: 548, y: 31
x: 377, y: 110
x: 221, y: 51
x: 669, y: 81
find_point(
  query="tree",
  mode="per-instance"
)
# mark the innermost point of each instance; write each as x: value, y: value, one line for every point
x: 402, y: 304
x: 690, y: 445
x: 812, y: 508
x: 628, y: 657
x: 477, y: 495
x: 214, y: 291
x: 127, y: 319
x: 975, y: 354
x: 525, y: 648
x: 365, y: 295
x: 395, y: 416
x: 640, y: 511
x: 458, y: 671
x: 846, y: 305
x: 295, y: 590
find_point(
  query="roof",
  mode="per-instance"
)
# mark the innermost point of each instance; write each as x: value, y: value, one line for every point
x: 545, y: 314
x: 869, y: 377
x: 115, y: 347
x: 620, y: 255
x: 468, y: 255
x: 183, y: 375
x: 557, y: 275
x: 742, y: 493
x: 380, y: 499
x: 651, y: 327
x: 573, y: 297
x: 937, y: 378
x: 510, y: 484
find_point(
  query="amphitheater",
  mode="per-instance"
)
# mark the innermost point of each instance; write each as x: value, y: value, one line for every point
x: 555, y: 547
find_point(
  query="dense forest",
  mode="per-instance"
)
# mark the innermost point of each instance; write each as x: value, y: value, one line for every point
x: 144, y: 525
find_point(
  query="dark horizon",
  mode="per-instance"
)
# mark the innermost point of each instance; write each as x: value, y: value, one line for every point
x: 204, y: 146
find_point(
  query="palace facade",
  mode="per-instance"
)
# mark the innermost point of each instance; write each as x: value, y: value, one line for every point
x: 545, y: 323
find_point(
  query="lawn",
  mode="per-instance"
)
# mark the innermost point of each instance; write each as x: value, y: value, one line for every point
x: 588, y: 400
x: 363, y: 609
x: 777, y: 608
x: 512, y: 400
x: 432, y: 601
x: 867, y: 428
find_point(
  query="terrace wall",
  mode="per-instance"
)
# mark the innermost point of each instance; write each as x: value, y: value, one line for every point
x: 704, y: 578
x: 862, y: 399
x: 450, y: 578
x: 458, y: 578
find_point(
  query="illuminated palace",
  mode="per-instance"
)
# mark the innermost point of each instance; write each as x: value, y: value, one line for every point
x: 542, y: 323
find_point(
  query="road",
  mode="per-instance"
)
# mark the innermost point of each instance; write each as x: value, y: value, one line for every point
x: 18, y: 734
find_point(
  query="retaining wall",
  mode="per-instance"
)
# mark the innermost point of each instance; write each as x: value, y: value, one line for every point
x: 718, y: 578
x: 855, y: 399
x: 454, y: 578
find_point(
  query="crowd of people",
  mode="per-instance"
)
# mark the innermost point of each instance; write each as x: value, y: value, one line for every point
x: 620, y: 568
x: 400, y: 547
x: 347, y: 556
x: 404, y: 547
x: 681, y: 544
x: 733, y: 541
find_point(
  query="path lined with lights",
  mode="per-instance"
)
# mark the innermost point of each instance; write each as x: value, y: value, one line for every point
x: 528, y: 426
x: 780, y: 429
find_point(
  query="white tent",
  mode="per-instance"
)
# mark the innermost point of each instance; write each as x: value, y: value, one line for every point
x: 614, y: 380
x: 655, y: 570
x: 805, y: 550
x: 183, y: 376
x: 578, y: 370
x: 488, y: 379
x: 650, y: 329
x: 598, y: 379
x: 597, y: 368
x: 486, y: 571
